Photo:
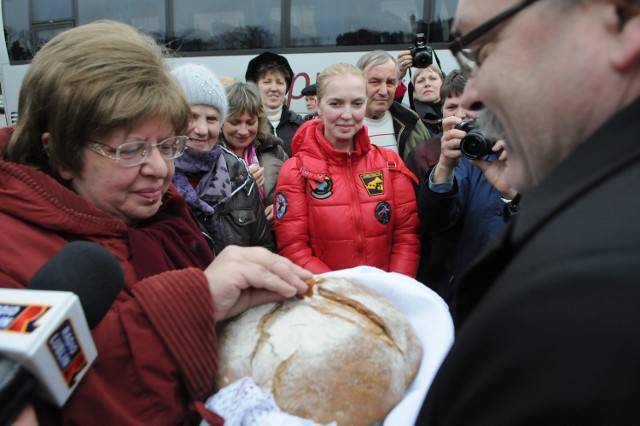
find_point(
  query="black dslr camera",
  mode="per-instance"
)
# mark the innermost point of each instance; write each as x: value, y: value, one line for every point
x: 421, y: 54
x: 474, y: 145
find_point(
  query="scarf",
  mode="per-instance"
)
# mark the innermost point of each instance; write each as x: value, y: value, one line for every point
x: 251, y: 157
x: 168, y: 241
x: 431, y: 111
x: 214, y: 186
x: 274, y: 116
x: 213, y: 190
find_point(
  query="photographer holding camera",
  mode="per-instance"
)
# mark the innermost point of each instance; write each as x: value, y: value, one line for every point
x: 465, y: 195
x: 425, y: 84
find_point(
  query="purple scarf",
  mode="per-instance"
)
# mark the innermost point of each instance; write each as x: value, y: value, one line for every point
x: 214, y: 186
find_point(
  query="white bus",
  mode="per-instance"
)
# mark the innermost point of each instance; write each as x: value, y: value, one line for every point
x: 225, y: 34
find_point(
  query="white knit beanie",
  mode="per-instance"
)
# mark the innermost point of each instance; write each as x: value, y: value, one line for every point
x: 202, y: 87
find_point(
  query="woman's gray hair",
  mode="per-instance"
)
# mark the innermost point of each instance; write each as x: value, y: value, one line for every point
x: 375, y: 58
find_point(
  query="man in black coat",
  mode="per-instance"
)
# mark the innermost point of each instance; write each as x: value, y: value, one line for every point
x: 548, y: 318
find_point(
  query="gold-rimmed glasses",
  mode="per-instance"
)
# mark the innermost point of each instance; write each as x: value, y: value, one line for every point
x: 131, y: 154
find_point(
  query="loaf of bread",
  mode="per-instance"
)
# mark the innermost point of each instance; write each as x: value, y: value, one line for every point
x: 343, y: 353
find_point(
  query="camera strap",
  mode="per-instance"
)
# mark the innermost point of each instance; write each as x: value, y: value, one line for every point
x: 428, y: 121
x: 435, y: 55
x: 394, y: 166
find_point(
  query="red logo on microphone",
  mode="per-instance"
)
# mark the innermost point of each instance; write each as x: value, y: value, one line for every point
x: 21, y: 318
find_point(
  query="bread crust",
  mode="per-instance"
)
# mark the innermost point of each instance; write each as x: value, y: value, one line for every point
x: 343, y: 354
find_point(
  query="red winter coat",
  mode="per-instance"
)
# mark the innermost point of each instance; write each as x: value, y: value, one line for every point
x: 157, y: 350
x: 337, y: 209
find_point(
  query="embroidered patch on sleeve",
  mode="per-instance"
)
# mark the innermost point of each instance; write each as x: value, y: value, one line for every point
x: 281, y: 205
x: 383, y: 212
x: 373, y: 183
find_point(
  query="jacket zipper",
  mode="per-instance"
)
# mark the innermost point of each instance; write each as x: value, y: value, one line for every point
x: 357, y: 213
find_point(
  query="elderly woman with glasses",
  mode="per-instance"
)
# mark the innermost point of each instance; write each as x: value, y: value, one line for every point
x: 92, y: 158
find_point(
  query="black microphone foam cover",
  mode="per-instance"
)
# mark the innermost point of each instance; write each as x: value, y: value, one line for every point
x: 86, y: 269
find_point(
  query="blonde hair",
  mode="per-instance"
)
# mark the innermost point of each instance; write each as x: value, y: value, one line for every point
x: 340, y: 68
x: 432, y: 67
x: 245, y: 97
x: 86, y: 82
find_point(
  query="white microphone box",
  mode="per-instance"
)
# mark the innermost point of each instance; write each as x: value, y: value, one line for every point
x: 47, y: 333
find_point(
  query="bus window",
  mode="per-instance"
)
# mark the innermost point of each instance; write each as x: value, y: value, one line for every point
x: 219, y: 26
x: 15, y: 15
x: 146, y: 15
x: 225, y: 35
x: 206, y: 25
x: 44, y: 33
x: 439, y: 28
x: 340, y: 23
x: 51, y: 10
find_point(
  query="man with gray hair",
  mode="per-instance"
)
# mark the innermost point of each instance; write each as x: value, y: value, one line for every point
x: 547, y: 319
x: 390, y: 124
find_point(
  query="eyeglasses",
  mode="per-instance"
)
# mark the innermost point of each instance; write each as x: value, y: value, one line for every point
x: 467, y: 58
x: 131, y: 154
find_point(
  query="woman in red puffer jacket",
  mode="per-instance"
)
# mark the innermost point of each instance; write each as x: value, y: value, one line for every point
x: 340, y: 200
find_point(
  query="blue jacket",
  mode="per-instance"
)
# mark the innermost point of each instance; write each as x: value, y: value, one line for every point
x: 472, y: 212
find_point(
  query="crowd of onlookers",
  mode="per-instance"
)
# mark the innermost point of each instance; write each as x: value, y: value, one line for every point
x: 214, y: 197
x: 350, y: 195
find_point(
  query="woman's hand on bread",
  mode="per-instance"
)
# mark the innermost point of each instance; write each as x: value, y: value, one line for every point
x: 241, y: 277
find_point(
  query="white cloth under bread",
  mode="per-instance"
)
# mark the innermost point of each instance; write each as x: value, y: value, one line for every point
x: 425, y: 310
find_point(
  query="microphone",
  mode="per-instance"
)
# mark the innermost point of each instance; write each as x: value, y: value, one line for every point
x: 86, y: 269
x: 45, y: 341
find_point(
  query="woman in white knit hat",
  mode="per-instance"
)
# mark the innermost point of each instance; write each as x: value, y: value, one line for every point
x: 216, y: 184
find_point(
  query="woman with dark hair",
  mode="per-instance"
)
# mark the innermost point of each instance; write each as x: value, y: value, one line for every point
x: 273, y: 76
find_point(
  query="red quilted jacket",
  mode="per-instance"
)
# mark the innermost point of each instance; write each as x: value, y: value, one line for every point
x: 157, y: 349
x: 337, y: 209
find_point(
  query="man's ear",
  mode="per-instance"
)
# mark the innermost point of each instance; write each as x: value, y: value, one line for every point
x: 62, y: 171
x: 628, y: 53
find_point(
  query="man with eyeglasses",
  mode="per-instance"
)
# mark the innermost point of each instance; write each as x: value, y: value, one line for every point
x: 547, y: 317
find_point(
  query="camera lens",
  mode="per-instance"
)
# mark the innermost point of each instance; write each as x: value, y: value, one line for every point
x: 421, y: 54
x: 475, y: 146
x: 422, y: 59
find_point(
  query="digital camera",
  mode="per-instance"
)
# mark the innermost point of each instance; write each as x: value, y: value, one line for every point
x: 474, y: 145
x: 421, y: 54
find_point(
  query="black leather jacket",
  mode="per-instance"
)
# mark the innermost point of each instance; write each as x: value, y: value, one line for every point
x: 240, y: 219
x: 243, y: 218
x: 289, y: 123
